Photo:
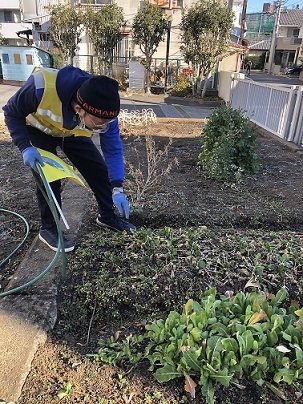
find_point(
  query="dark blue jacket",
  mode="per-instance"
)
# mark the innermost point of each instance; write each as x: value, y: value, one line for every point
x: 26, y: 100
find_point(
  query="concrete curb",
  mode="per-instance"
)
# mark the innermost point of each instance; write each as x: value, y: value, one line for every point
x: 27, y: 316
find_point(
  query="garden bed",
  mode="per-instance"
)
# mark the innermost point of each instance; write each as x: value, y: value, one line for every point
x: 117, y: 283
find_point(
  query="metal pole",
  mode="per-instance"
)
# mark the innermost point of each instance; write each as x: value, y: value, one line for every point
x: 274, y: 37
x: 243, y: 20
x: 242, y: 32
x: 167, y: 54
x: 169, y: 18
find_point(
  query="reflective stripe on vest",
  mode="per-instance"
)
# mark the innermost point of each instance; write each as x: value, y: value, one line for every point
x: 48, y: 117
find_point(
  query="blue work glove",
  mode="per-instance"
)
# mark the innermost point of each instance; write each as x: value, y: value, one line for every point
x: 121, y: 202
x: 31, y: 156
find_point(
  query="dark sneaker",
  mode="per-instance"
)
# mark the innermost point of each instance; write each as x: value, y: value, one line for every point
x: 116, y: 223
x: 51, y: 239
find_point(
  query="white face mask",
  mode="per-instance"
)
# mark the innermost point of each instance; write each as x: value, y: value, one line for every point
x: 80, y: 121
x: 96, y: 128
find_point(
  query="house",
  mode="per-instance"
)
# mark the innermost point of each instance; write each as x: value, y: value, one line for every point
x: 13, y: 28
x: 288, y: 49
x: 34, y: 15
x: 260, y: 27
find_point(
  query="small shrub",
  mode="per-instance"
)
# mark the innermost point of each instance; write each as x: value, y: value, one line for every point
x: 122, y: 79
x: 228, y: 145
x: 182, y: 87
x: 57, y: 57
x: 258, y: 61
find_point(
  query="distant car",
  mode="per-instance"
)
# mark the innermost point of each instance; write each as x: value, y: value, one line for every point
x: 294, y: 70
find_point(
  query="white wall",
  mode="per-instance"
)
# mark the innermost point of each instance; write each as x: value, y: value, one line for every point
x: 28, y: 9
x: 9, y: 29
x: 225, y: 80
x: 9, y: 5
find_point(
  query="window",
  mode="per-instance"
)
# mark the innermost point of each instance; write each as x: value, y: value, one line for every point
x: 44, y: 36
x: 6, y: 16
x: 29, y: 59
x: 293, y: 32
x: 17, y: 58
x: 5, y: 58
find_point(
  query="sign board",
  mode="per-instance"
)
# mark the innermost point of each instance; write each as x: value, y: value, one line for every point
x: 136, y: 75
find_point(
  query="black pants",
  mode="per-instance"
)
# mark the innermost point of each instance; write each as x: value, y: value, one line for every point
x: 84, y: 155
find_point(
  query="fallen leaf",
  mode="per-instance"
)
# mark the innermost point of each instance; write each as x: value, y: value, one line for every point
x: 252, y: 283
x: 282, y: 348
x: 190, y: 385
x: 229, y: 293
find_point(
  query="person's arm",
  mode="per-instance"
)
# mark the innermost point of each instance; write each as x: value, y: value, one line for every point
x: 111, y: 146
x: 18, y: 107
x: 21, y: 104
x: 112, y: 149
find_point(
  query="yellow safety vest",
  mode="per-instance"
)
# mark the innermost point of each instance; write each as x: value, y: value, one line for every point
x: 48, y: 118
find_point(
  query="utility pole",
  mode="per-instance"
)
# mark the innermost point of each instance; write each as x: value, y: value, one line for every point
x: 243, y: 20
x: 242, y: 32
x: 274, y: 37
x: 169, y: 20
x: 167, y: 54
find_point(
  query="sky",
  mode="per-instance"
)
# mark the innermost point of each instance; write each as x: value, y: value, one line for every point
x: 254, y: 6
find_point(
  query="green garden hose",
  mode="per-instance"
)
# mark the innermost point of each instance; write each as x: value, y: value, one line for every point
x: 22, y: 242
x: 48, y: 196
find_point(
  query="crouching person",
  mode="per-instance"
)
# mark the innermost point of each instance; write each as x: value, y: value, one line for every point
x: 62, y: 108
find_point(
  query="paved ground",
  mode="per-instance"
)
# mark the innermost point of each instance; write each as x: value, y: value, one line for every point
x: 262, y: 77
x: 27, y: 316
x: 163, y: 105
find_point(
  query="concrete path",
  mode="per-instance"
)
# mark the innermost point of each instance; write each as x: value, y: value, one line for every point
x: 164, y: 106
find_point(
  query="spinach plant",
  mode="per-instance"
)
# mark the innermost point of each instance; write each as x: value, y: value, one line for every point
x: 219, y: 340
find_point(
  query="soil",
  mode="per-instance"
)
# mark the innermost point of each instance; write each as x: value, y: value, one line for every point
x: 270, y: 200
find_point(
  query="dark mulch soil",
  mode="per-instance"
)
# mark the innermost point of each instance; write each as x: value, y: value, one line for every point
x: 270, y: 200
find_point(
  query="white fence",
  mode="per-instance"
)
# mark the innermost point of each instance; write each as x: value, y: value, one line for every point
x: 277, y: 109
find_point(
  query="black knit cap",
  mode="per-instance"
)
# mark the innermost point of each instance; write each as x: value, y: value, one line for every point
x: 99, y: 96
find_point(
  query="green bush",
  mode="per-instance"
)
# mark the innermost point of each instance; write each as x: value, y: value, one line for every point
x: 258, y: 61
x: 182, y: 86
x: 228, y: 145
x: 57, y: 57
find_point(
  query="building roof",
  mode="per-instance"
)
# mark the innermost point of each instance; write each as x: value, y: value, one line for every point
x: 293, y: 18
x: 259, y: 45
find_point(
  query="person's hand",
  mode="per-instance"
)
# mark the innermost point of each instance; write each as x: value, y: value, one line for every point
x: 31, y: 156
x: 121, y: 202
